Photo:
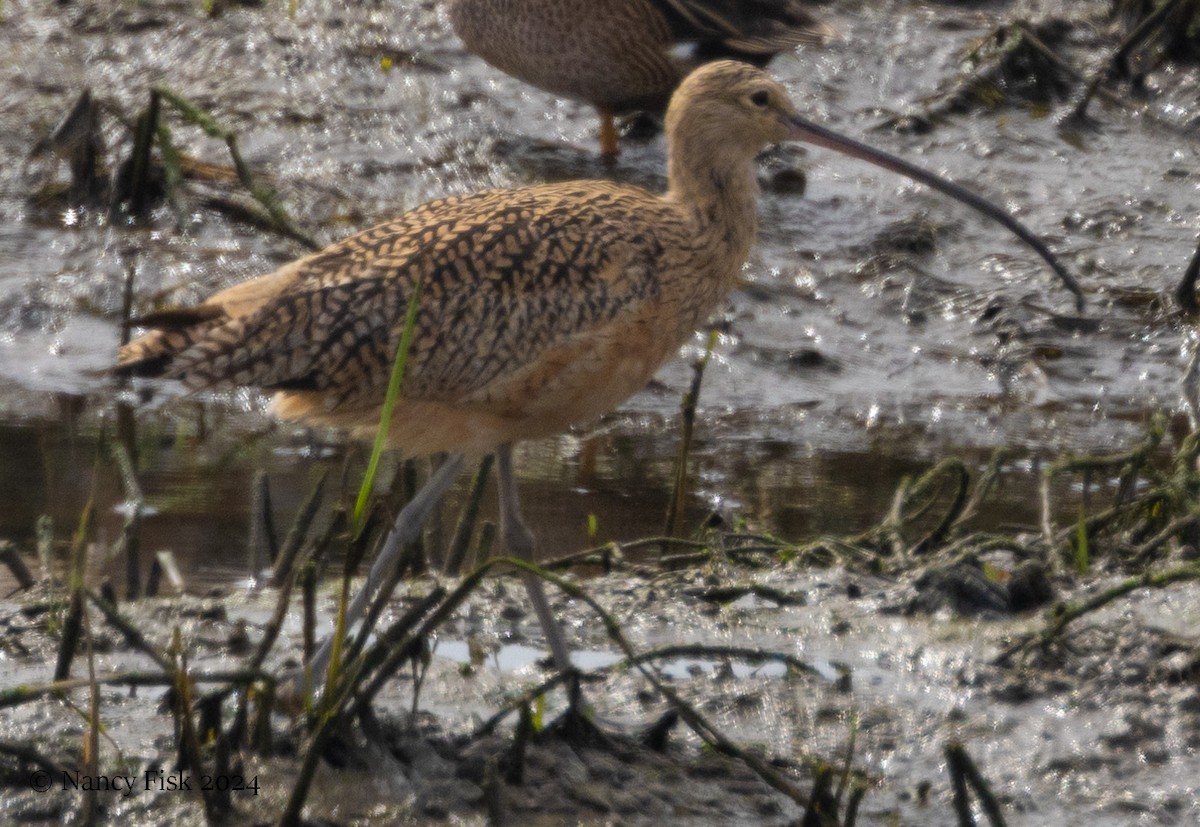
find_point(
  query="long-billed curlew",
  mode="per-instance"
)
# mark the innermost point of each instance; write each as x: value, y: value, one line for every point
x: 540, y: 307
x: 626, y: 55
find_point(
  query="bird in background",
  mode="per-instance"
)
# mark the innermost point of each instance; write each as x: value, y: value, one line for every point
x: 539, y: 307
x: 623, y: 56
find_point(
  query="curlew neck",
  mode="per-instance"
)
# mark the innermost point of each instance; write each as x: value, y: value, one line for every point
x: 711, y: 178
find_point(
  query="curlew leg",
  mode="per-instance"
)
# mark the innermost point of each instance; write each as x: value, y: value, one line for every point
x: 520, y: 542
x: 608, y: 135
x: 408, y: 525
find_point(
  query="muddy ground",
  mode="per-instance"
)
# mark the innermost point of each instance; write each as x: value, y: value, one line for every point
x: 1105, y: 732
x: 878, y: 328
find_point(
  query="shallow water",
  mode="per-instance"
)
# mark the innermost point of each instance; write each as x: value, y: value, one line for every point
x: 838, y: 371
x: 199, y: 490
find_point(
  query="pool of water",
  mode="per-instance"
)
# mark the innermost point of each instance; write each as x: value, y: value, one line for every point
x: 843, y: 365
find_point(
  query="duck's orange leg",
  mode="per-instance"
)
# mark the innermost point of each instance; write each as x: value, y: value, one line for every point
x: 608, y: 135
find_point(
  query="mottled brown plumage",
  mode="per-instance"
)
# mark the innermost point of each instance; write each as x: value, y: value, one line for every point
x: 626, y: 55
x: 540, y: 307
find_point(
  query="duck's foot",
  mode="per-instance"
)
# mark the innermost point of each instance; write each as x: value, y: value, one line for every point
x: 608, y: 137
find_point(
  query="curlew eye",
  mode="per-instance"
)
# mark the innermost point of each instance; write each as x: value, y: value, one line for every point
x: 760, y: 98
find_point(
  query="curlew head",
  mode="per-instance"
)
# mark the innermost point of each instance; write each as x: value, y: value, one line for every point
x: 729, y: 105
x: 726, y: 112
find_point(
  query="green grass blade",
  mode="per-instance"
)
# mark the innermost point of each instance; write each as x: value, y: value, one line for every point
x: 389, y: 403
x: 1082, y: 563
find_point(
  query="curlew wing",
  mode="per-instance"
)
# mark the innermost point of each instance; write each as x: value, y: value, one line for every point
x: 506, y: 277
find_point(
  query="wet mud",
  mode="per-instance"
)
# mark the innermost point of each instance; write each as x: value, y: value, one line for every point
x: 1107, y: 730
x: 877, y: 329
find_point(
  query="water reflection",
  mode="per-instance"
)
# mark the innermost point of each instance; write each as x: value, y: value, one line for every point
x: 197, y: 463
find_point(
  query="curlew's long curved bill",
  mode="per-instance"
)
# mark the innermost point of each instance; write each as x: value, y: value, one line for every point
x: 810, y: 133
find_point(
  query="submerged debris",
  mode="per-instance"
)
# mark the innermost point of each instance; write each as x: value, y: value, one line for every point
x: 77, y: 140
x: 142, y: 180
x: 1014, y: 64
